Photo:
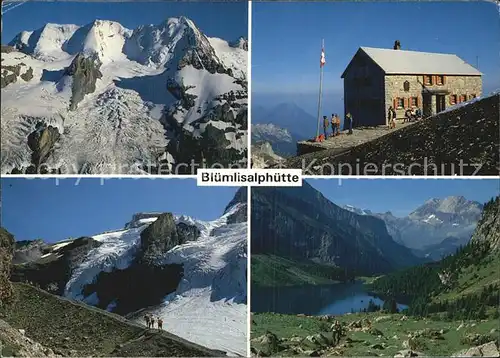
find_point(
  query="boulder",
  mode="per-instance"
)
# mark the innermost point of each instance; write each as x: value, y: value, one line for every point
x: 408, y: 353
x: 489, y: 349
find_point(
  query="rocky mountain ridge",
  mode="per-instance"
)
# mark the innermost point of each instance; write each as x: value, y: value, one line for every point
x: 204, y: 261
x: 301, y: 223
x: 106, y: 99
x: 434, y: 229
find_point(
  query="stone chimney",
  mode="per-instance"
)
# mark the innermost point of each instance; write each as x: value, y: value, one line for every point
x: 397, y: 45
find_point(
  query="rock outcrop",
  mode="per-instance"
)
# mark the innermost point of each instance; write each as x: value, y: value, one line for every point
x: 11, y: 74
x: 240, y: 215
x: 28, y: 251
x: 159, y: 237
x: 490, y: 349
x: 488, y: 228
x: 53, y: 271
x: 42, y: 141
x: 85, y: 72
x: 14, y: 343
x: 164, y: 234
x: 6, y: 252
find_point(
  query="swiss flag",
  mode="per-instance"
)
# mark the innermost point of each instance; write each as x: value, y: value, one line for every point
x: 322, y: 61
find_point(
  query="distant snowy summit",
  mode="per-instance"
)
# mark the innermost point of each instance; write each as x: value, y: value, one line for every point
x: 104, y: 99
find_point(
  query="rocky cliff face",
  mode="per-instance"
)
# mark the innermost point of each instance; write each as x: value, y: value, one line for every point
x: 436, y: 228
x: 6, y: 252
x: 84, y: 70
x: 52, y: 271
x: 28, y: 251
x: 162, y: 235
x: 301, y: 223
x: 488, y: 228
x: 240, y: 215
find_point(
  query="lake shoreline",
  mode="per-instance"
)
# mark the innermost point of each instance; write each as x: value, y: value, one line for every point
x: 336, y: 299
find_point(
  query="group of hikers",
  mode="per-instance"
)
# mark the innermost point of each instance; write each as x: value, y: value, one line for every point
x: 410, y: 115
x: 334, y: 121
x: 150, y: 321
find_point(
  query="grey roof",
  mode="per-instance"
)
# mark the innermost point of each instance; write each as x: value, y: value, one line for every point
x: 415, y: 62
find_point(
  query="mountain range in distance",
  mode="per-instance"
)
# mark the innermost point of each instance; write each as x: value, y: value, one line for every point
x: 303, y: 225
x: 434, y: 229
x: 281, y: 126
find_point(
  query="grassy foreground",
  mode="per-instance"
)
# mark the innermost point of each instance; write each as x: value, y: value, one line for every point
x: 386, y: 335
x: 74, y: 329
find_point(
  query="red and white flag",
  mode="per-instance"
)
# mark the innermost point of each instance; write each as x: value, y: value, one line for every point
x: 322, y: 61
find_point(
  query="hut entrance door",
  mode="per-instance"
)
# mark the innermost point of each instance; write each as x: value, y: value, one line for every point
x: 440, y: 103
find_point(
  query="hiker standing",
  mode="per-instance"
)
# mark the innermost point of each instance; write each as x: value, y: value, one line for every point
x: 334, y: 125
x: 350, y: 121
x: 146, y: 318
x: 391, y: 116
x: 325, y: 126
x: 336, y: 332
x: 152, y: 322
x: 160, y: 323
x: 408, y: 115
x: 337, y: 119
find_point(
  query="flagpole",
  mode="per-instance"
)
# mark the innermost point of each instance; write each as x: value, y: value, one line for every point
x: 320, y: 90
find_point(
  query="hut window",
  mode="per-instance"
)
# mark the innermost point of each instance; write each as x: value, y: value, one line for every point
x: 406, y: 86
x: 440, y: 80
x: 463, y: 98
x: 400, y: 103
x: 428, y: 80
x: 414, y: 101
x: 453, y: 99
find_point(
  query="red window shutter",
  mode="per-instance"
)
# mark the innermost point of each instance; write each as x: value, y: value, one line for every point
x: 419, y: 101
x: 395, y: 103
x: 433, y: 80
x: 451, y: 99
x: 405, y: 102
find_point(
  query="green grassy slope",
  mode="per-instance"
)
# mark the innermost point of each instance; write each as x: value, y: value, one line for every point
x: 270, y: 270
x: 73, y: 328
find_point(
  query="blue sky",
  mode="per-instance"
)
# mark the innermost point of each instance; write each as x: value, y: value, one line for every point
x: 286, y: 42
x: 206, y: 15
x: 38, y: 208
x: 402, y: 196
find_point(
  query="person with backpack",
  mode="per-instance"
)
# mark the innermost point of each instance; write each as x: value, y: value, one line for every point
x: 152, y: 322
x: 391, y: 115
x: 349, y: 121
x: 148, y: 322
x: 160, y: 323
x: 334, y: 125
x: 325, y: 126
x: 337, y: 119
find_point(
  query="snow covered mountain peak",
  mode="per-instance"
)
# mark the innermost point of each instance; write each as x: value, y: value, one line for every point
x: 450, y: 206
x: 357, y: 210
x: 158, y: 96
x: 241, y: 43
